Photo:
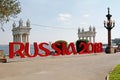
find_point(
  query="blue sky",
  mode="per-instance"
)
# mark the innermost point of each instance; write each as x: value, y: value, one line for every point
x: 60, y: 19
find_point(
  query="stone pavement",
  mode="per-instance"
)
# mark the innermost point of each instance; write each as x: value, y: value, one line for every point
x: 74, y: 67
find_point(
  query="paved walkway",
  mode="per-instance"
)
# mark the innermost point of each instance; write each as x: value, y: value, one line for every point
x: 78, y: 67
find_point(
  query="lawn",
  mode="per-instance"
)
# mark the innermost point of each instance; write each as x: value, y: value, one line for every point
x: 115, y: 74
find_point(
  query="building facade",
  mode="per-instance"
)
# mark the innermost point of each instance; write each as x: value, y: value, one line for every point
x: 90, y: 34
x: 116, y: 41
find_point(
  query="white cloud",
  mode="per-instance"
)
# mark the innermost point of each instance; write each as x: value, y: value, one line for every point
x: 83, y: 23
x: 64, y: 17
x: 86, y: 15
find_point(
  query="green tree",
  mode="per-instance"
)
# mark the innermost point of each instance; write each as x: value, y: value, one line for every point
x: 8, y: 9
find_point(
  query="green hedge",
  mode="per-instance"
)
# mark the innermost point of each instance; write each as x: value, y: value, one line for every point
x: 78, y: 42
x: 60, y: 42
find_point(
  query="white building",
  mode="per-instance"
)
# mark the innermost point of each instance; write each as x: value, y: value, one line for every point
x: 90, y: 35
x: 21, y: 33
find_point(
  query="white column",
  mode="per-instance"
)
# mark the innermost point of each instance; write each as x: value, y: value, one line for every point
x: 86, y: 37
x: 16, y: 38
x: 93, y: 39
x: 26, y: 38
x: 13, y: 38
x: 78, y: 37
x: 20, y: 37
x: 82, y: 37
x: 90, y: 38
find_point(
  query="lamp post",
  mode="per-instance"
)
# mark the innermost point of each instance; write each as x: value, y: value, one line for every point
x: 109, y: 24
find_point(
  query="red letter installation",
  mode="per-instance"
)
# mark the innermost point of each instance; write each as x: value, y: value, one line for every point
x: 17, y: 52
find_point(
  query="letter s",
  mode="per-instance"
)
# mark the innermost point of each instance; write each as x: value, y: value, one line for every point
x: 56, y: 49
x: 47, y: 52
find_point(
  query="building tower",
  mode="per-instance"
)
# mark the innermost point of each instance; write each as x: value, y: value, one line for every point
x: 79, y: 32
x: 21, y: 33
x: 94, y: 34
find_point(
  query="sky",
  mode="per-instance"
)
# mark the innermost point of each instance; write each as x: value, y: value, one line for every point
x: 53, y: 20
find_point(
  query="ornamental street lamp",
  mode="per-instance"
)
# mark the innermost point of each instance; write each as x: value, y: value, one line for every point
x: 109, y: 24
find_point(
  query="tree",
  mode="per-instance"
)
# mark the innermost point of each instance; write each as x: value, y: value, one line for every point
x: 8, y: 9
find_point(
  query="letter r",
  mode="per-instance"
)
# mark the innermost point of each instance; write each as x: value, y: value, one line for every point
x: 19, y: 51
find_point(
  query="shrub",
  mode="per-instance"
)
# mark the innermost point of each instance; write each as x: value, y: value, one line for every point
x: 61, y: 43
x: 78, y: 42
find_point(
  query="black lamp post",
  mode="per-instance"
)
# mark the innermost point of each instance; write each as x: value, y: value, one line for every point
x: 109, y: 24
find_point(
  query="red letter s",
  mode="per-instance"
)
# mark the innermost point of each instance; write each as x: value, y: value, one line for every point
x: 47, y: 52
x: 57, y: 50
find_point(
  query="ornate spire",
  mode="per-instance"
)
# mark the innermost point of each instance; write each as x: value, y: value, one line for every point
x: 94, y: 29
x: 20, y: 23
x: 28, y: 23
x: 90, y: 29
x: 78, y: 30
x: 82, y: 29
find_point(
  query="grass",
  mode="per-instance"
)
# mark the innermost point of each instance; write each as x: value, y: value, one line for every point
x: 115, y: 74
